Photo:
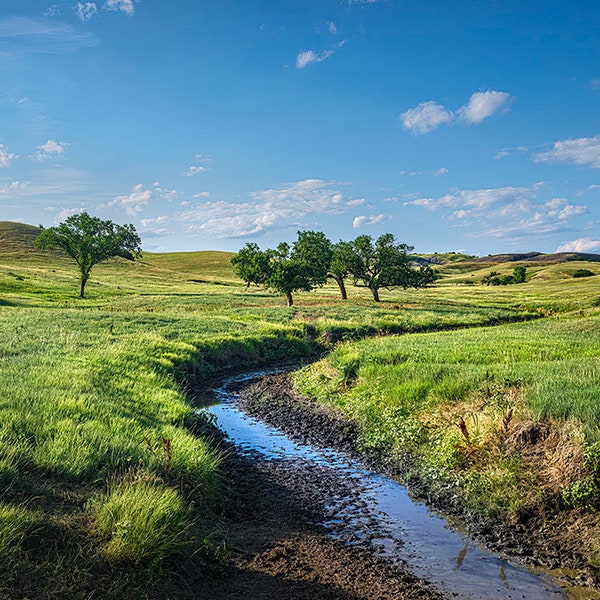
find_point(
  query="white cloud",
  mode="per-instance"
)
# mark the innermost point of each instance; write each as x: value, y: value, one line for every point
x: 581, y: 151
x: 441, y: 171
x: 13, y: 188
x: 426, y: 117
x: 362, y: 220
x: 504, y: 212
x: 194, y: 170
x: 126, y: 6
x: 482, y: 105
x: 590, y: 188
x: 139, y: 197
x: 504, y: 152
x: 308, y: 57
x: 85, y: 11
x: 133, y: 202
x: 476, y: 200
x: 52, y: 11
x: 5, y: 156
x: 332, y: 28
x: 296, y: 204
x: 65, y: 213
x: 580, y: 245
x: 51, y: 150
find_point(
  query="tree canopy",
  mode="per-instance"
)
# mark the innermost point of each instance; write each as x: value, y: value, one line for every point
x: 385, y: 263
x: 90, y: 240
x: 313, y: 258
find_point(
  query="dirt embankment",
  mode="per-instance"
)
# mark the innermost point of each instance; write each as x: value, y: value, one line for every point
x: 547, y: 537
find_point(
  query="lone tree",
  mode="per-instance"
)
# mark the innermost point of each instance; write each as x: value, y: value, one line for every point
x: 385, y: 264
x: 90, y: 240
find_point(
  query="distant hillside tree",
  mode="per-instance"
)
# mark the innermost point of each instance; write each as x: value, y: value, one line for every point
x: 519, y: 274
x: 582, y: 273
x: 90, y: 240
x: 494, y: 278
x: 385, y: 263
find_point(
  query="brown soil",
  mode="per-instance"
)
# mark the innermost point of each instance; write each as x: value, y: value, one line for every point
x: 277, y: 553
x: 550, y: 535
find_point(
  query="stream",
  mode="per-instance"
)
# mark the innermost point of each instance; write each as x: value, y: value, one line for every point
x: 371, y: 510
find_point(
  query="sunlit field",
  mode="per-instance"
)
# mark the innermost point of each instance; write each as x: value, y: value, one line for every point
x: 103, y: 463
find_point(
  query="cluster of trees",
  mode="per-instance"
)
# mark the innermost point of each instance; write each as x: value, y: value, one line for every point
x: 494, y: 278
x: 312, y: 259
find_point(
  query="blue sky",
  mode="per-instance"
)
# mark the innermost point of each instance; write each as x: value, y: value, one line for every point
x: 469, y: 126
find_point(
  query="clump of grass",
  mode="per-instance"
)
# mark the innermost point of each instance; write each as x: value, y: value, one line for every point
x: 15, y: 523
x: 142, y: 521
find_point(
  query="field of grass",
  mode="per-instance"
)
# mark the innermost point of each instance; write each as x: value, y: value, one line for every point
x: 106, y: 483
x: 456, y: 403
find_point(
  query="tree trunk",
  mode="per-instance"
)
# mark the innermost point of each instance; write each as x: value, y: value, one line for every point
x: 375, y: 293
x: 82, y: 286
x: 290, y: 300
x: 340, y: 282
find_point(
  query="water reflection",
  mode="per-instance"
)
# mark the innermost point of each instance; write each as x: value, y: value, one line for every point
x: 382, y: 513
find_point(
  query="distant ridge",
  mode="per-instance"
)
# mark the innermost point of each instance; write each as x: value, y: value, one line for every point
x: 17, y: 237
x: 538, y: 257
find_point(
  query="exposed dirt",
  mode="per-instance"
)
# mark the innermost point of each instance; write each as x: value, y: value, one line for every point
x: 277, y: 553
x: 547, y: 537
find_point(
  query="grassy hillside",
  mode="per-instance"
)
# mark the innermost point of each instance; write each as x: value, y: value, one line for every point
x: 107, y: 486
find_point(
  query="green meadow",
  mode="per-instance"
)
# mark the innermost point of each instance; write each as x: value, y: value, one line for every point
x: 108, y: 484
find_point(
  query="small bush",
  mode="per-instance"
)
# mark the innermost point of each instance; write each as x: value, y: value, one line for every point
x: 583, y: 273
x: 143, y: 522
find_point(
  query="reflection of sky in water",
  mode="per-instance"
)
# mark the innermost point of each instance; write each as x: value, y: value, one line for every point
x: 384, y: 513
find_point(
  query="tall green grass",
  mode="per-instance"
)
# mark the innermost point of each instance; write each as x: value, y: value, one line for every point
x: 99, y: 453
x: 449, y: 400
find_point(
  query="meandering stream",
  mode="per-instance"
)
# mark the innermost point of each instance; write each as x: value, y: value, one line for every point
x: 379, y: 513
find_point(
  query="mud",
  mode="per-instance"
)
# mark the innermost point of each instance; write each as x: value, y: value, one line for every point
x: 555, y: 539
x: 276, y: 552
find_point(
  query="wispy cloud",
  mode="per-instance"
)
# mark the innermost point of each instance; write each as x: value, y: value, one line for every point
x: 504, y: 212
x: 51, y: 150
x: 364, y: 221
x: 308, y: 57
x: 139, y: 197
x: 584, y: 244
x: 52, y: 11
x: 85, y: 11
x: 516, y: 151
x: 12, y: 188
x: 581, y: 151
x: 292, y: 205
x: 5, y: 157
x: 427, y: 116
x: 198, y: 168
x: 126, y: 6
x: 20, y: 35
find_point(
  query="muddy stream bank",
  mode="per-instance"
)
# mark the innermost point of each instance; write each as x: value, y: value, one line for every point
x: 356, y: 533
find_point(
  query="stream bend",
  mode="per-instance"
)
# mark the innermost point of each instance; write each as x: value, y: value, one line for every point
x: 372, y: 511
